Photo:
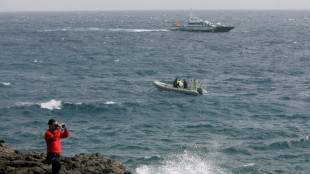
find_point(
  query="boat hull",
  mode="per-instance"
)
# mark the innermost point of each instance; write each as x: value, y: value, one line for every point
x: 222, y: 29
x: 202, y: 29
x: 168, y: 87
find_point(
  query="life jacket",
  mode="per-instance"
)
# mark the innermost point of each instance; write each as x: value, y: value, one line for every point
x: 180, y: 84
x: 195, y: 84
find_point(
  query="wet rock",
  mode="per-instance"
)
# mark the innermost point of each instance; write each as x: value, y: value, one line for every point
x: 14, y: 161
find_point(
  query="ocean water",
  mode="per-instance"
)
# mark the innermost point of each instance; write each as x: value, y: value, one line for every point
x: 94, y: 72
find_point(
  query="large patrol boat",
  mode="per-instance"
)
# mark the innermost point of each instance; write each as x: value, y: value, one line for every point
x: 199, y: 25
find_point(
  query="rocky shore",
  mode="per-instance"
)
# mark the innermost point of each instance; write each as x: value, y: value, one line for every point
x: 13, y: 161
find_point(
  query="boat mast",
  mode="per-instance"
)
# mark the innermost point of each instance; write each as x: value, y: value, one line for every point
x: 191, y: 14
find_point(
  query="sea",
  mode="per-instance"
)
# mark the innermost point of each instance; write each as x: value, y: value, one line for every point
x: 94, y: 71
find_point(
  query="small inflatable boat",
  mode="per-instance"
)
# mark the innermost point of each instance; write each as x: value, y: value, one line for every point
x: 168, y: 87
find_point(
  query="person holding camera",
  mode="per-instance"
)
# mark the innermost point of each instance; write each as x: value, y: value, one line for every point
x: 52, y: 138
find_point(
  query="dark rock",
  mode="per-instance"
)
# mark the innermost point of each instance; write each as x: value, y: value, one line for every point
x: 14, y: 161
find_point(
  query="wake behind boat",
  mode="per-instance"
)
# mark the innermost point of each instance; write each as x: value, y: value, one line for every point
x: 168, y: 87
x: 198, y: 25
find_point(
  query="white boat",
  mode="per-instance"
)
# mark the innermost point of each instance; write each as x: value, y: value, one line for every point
x: 168, y: 87
x: 198, y: 25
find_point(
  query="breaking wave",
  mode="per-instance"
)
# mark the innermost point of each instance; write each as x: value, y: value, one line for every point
x: 184, y: 163
x: 109, y: 102
x: 58, y: 105
x: 5, y: 83
x: 51, y: 105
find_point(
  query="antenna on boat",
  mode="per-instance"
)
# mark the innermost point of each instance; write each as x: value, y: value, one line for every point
x: 191, y: 14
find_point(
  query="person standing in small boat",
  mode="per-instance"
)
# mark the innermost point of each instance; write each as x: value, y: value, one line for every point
x: 185, y: 85
x: 179, y: 84
x: 195, y: 84
x: 175, y: 82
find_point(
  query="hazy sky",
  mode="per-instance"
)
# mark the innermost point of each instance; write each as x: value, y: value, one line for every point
x: 73, y: 5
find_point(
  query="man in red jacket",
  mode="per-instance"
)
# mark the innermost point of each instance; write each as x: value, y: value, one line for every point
x: 52, y: 139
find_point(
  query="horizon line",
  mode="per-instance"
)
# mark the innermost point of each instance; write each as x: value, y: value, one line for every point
x: 21, y: 11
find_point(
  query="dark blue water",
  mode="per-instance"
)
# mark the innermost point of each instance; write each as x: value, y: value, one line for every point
x: 94, y: 72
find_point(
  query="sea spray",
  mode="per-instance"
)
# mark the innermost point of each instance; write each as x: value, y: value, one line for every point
x: 183, y: 163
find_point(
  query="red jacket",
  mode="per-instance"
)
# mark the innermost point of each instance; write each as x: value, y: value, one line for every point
x: 52, y: 140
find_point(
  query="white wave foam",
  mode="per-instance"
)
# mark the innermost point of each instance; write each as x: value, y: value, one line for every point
x: 70, y: 29
x: 5, y: 83
x: 94, y: 29
x: 137, y: 30
x: 151, y: 30
x: 249, y: 165
x: 104, y: 29
x: 86, y: 29
x: 186, y: 163
x: 52, y: 104
x: 53, y: 30
x: 36, y: 61
x: 109, y: 102
x: 141, y: 30
x: 26, y: 104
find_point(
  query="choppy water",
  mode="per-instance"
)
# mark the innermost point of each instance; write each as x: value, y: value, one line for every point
x: 94, y: 71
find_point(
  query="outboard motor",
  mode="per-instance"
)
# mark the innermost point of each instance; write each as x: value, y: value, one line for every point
x: 200, y: 91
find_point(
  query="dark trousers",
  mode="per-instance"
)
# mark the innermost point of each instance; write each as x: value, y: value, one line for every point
x: 54, y: 159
